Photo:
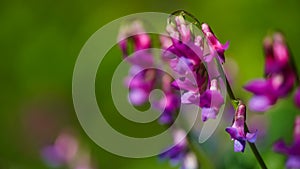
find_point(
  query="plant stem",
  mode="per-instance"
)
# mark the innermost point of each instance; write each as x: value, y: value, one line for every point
x: 234, y: 102
x: 255, y: 152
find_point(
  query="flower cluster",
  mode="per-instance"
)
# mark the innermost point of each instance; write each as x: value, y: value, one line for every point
x: 279, y: 75
x: 66, y: 151
x: 142, y: 77
x: 140, y: 80
x: 191, y: 59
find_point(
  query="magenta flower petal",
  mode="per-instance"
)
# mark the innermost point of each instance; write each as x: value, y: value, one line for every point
x: 258, y: 86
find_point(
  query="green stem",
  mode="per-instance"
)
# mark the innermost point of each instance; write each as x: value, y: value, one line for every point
x: 255, y: 152
x: 235, y: 102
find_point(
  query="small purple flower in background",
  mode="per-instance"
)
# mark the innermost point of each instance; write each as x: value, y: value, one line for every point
x: 140, y: 80
x: 140, y: 83
x: 237, y: 131
x: 297, y: 97
x: 62, y: 151
x: 66, y: 152
x: 280, y: 77
x: 293, y: 151
x: 136, y: 33
x: 179, y: 153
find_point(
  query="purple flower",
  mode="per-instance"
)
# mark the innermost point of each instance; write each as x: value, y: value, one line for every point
x: 237, y: 132
x: 140, y: 83
x: 293, y: 151
x: 66, y: 152
x: 179, y: 152
x: 62, y: 152
x: 185, y: 56
x: 136, y: 33
x: 214, y: 43
x: 141, y: 79
x: 297, y: 97
x: 211, y: 101
x: 280, y: 77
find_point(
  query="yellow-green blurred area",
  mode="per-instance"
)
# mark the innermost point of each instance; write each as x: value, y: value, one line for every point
x: 40, y: 41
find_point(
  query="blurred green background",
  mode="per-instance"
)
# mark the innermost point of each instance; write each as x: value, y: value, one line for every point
x: 40, y: 41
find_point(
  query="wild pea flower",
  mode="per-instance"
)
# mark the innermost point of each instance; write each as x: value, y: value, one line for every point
x: 189, y: 64
x: 179, y: 153
x: 280, y: 77
x: 237, y: 131
x: 214, y: 43
x: 140, y: 80
x: 293, y: 151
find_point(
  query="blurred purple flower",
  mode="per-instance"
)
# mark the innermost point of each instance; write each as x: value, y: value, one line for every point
x: 280, y: 77
x: 141, y: 80
x: 179, y: 153
x: 237, y: 131
x: 133, y: 32
x: 293, y: 151
x: 66, y: 152
x: 62, y: 151
x: 140, y: 83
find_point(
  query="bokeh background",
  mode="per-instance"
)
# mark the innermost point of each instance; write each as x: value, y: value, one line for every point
x: 40, y: 41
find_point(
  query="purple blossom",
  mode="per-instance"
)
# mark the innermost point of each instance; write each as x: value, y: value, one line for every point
x: 185, y: 56
x: 141, y: 79
x: 214, y: 43
x: 66, y: 152
x: 280, y: 77
x: 136, y: 33
x: 179, y: 152
x: 140, y: 83
x: 62, y: 152
x: 293, y: 151
x: 237, y: 131
x: 211, y: 101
